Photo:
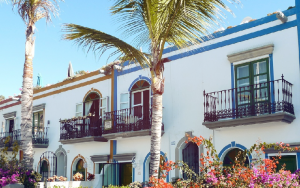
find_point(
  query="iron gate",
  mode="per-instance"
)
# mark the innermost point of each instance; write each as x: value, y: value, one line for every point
x: 48, y: 164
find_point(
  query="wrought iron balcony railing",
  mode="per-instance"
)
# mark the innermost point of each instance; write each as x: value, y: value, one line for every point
x: 252, y: 100
x: 13, y: 136
x: 80, y: 127
x: 127, y: 120
x: 40, y: 136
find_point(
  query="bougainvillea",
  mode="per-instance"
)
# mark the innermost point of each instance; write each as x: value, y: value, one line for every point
x: 260, y: 173
x: 13, y: 171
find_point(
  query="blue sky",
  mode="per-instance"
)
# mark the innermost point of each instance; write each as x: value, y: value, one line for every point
x: 52, y: 54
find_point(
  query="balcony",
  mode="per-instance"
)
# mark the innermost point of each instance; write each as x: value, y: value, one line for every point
x: 130, y: 122
x: 81, y: 129
x: 258, y: 103
x: 40, y: 138
x: 14, y: 136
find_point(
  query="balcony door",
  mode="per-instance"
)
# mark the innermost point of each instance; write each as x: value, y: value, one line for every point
x: 252, y: 88
x: 140, y: 99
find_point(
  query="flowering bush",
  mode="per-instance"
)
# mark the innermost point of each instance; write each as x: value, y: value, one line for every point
x: 78, y: 177
x: 56, y: 178
x: 261, y: 173
x: 12, y: 171
x: 90, y: 176
x: 135, y: 184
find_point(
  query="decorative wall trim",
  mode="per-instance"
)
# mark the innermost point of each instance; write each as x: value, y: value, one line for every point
x: 252, y: 53
x: 124, y: 157
x: 72, y: 87
x: 242, y: 27
x: 10, y: 105
x: 39, y: 107
x: 138, y: 79
x: 75, y: 160
x: 94, y: 73
x: 179, y: 146
x: 93, y: 90
x: 100, y: 158
x: 10, y: 115
x: 144, y: 165
x: 230, y: 146
x: 62, y: 150
x: 242, y: 38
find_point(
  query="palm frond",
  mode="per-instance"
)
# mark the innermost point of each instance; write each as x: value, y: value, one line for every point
x: 34, y: 10
x: 98, y: 41
x: 187, y: 21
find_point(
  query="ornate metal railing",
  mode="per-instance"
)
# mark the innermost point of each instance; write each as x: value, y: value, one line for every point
x: 252, y: 100
x: 126, y: 120
x: 13, y: 136
x: 40, y: 136
x: 80, y: 127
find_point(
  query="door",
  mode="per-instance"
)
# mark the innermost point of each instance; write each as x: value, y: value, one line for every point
x: 252, y: 88
x: 190, y: 155
x: 141, y: 104
x: 125, y: 174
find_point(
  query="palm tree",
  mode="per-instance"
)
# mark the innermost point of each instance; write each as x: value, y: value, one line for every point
x: 31, y: 11
x: 154, y: 23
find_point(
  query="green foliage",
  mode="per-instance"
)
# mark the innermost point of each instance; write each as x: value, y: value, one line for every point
x: 115, y: 186
x: 11, y: 166
x: 81, y: 72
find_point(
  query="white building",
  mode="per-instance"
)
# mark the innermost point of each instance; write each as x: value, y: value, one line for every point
x: 230, y: 87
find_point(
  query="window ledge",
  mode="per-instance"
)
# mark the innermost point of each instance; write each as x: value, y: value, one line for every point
x: 277, y: 117
x: 129, y: 134
x: 252, y: 53
x: 85, y: 139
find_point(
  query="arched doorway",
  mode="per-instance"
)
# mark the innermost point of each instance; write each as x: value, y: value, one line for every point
x: 91, y: 108
x: 91, y: 104
x: 48, y: 164
x: 146, y: 166
x: 80, y: 168
x: 44, y: 170
x: 190, y: 155
x: 140, y: 99
x: 229, y: 158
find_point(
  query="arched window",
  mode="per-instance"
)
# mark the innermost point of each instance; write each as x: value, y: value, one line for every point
x: 190, y: 155
x: 80, y: 168
x: 229, y: 158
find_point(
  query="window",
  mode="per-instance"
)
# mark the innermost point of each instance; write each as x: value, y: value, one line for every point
x: 104, y: 106
x: 231, y: 155
x: 124, y: 101
x: 78, y: 110
x: 252, y: 86
x: 38, y: 121
x: 288, y: 161
x: 9, y: 127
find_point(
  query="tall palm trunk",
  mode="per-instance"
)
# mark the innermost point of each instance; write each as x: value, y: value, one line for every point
x: 27, y: 98
x: 157, y: 89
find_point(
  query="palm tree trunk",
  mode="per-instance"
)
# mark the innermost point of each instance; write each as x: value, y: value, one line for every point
x: 27, y: 99
x: 156, y: 134
x: 157, y: 89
